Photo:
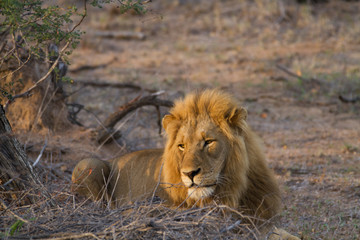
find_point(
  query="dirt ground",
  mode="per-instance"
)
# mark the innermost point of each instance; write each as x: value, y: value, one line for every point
x: 311, y: 138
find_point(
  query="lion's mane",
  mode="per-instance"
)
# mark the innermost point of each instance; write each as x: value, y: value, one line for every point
x: 250, y: 184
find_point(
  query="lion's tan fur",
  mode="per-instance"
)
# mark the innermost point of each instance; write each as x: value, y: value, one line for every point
x: 249, y: 184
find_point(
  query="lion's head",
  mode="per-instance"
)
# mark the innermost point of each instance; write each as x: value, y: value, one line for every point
x: 211, y: 153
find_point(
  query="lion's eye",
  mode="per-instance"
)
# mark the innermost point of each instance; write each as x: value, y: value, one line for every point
x: 181, y: 147
x: 208, y: 142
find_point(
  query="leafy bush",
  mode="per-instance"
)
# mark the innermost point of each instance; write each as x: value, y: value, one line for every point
x: 29, y: 26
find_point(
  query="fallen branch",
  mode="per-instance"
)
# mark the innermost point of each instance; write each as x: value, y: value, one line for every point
x: 124, y: 35
x: 107, y: 129
x: 289, y: 72
x: 124, y: 110
x: 91, y: 67
x: 99, y: 83
x: 348, y: 99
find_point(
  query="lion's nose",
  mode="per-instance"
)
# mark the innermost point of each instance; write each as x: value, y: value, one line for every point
x: 192, y: 174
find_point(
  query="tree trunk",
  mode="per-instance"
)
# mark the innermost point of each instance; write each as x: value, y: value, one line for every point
x: 16, y: 173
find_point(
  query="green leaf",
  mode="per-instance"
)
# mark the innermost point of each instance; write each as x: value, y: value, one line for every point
x: 16, y: 227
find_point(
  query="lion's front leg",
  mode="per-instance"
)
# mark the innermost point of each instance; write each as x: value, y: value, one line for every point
x: 89, y: 178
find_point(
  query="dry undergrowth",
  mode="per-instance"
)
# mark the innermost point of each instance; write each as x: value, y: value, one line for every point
x: 74, y: 219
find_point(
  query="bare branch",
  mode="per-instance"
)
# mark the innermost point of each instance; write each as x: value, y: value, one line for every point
x: 90, y: 67
x: 124, y: 35
x: 99, y: 83
x: 105, y: 130
x: 289, y: 72
x: 348, y: 99
x: 125, y: 109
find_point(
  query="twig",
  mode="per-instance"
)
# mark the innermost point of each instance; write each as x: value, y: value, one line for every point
x: 12, y: 213
x: 232, y: 226
x: 286, y: 70
x: 71, y: 236
x: 82, y: 18
x: 40, y: 155
x: 18, y: 68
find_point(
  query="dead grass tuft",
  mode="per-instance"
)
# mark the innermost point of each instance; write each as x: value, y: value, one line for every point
x: 74, y: 219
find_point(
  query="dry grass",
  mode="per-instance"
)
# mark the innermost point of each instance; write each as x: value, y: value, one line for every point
x: 74, y: 219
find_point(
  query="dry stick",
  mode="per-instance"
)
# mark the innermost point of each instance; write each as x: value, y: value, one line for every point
x: 72, y: 236
x: 89, y: 67
x: 41, y: 110
x: 124, y: 35
x: 12, y: 213
x: 147, y: 100
x: 99, y: 83
x: 40, y: 155
x: 248, y: 218
x: 108, y: 135
x: 17, y: 69
x: 226, y: 229
x: 111, y: 121
x: 18, y: 217
x: 157, y: 184
x: 286, y: 70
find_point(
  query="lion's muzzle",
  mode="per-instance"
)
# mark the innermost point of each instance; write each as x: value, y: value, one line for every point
x: 198, y: 187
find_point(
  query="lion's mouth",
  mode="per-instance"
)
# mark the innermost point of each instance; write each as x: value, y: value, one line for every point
x: 201, y: 191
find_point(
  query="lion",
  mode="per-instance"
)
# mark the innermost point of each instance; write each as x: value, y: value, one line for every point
x: 211, y: 155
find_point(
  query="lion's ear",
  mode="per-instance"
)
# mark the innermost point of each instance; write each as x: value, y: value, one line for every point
x: 166, y: 120
x: 236, y: 115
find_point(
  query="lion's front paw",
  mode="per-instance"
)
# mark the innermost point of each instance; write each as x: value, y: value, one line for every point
x: 280, y: 234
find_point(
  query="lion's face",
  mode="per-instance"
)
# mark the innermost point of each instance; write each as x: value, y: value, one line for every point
x: 205, y: 157
x: 201, y: 150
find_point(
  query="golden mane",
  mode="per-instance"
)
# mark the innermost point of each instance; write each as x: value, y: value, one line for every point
x: 250, y: 184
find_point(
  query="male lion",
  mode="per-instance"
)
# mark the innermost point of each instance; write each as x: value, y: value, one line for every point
x: 211, y: 155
